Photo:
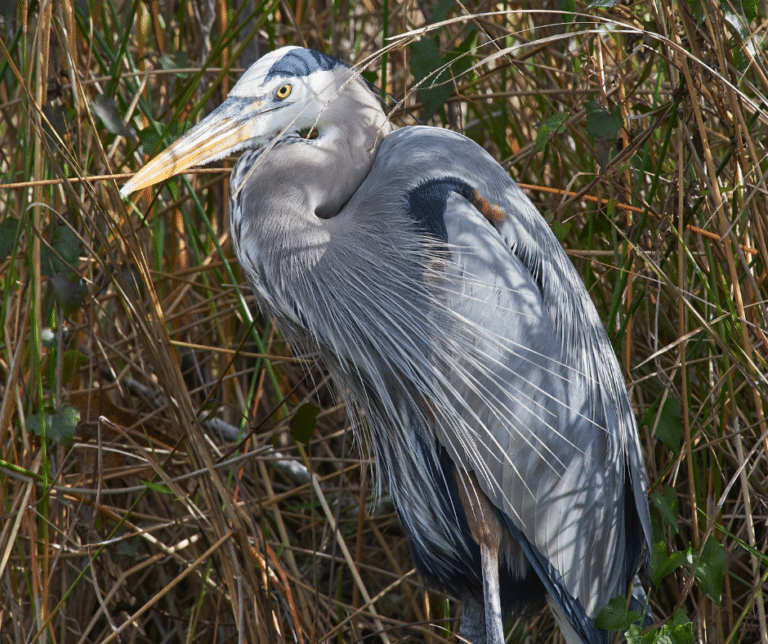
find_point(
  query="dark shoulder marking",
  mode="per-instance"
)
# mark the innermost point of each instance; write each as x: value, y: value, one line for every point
x: 302, y: 62
x: 426, y: 203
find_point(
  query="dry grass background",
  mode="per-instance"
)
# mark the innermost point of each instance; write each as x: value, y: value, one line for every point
x: 152, y: 490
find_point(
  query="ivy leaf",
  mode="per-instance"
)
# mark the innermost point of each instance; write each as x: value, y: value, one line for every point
x: 66, y: 256
x: 426, y: 61
x: 750, y: 9
x: 601, y: 123
x: 711, y: 568
x: 669, y: 429
x: 59, y: 426
x: 678, y: 630
x: 697, y: 11
x: 561, y: 230
x: 548, y: 128
x: 149, y: 138
x: 304, y: 423
x: 635, y: 635
x: 666, y: 504
x: 663, y: 564
x: 604, y: 126
x: 69, y: 293
x: 567, y: 5
x: 441, y: 8
x: 9, y: 227
x: 615, y: 616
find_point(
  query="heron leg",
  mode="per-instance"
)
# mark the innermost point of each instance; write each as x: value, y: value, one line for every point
x: 486, y: 531
x: 472, y: 627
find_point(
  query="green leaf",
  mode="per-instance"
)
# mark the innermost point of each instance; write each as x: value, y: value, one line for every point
x: 561, y: 230
x: 64, y: 423
x: 711, y: 568
x: 59, y: 426
x: 548, y: 128
x: 157, y: 487
x: 542, y: 138
x: 678, y: 630
x: 601, y: 123
x: 666, y: 565
x: 663, y: 564
x: 666, y: 504
x: 697, y: 10
x: 567, y: 5
x: 179, y: 61
x: 604, y: 127
x: 425, y: 62
x: 69, y: 293
x: 441, y: 8
x: 616, y: 617
x: 435, y: 90
x: 750, y: 9
x: 635, y: 635
x: 304, y: 423
x: 669, y: 429
x: 150, y: 139
x: 67, y: 253
x: 150, y: 135
x: 555, y: 121
x: 9, y: 228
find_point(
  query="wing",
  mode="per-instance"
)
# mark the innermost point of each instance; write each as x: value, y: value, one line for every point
x: 545, y: 420
x: 543, y: 451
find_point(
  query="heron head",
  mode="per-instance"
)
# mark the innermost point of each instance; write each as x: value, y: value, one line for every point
x: 288, y: 90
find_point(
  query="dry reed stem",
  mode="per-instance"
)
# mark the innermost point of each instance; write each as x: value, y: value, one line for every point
x: 183, y: 510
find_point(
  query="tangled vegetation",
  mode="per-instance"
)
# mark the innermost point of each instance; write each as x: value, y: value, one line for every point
x: 172, y: 473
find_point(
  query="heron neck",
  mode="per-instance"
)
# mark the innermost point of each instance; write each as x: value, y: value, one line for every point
x: 284, y: 202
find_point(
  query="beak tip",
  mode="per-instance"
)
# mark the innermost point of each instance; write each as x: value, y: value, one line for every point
x: 126, y: 190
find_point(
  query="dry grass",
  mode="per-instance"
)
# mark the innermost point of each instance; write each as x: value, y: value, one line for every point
x: 181, y: 509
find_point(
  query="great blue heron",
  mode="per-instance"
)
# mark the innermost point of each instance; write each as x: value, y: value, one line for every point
x: 452, y: 320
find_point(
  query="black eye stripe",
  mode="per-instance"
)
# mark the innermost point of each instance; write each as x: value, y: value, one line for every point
x: 302, y: 62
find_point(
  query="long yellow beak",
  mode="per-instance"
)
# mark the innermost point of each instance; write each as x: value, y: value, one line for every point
x: 209, y: 139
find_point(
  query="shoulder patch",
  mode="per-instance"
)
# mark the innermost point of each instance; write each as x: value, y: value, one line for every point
x: 302, y: 62
x: 493, y: 213
x: 426, y: 203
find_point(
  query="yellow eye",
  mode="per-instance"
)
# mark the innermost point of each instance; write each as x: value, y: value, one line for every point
x: 283, y: 92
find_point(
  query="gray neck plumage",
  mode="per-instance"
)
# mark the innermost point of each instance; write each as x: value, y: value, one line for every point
x: 283, y: 199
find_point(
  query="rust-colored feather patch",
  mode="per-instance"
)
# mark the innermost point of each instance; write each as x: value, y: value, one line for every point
x: 491, y: 212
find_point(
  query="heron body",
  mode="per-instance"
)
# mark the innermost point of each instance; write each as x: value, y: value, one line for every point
x: 450, y: 317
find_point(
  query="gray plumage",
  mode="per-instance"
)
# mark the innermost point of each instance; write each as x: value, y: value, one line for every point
x: 451, y: 319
